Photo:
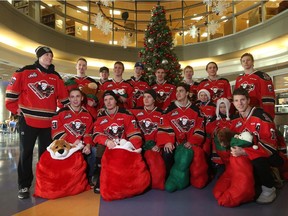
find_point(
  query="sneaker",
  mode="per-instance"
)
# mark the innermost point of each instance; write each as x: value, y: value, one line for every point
x: 268, y: 195
x: 23, y: 193
x: 97, y: 187
x: 90, y: 182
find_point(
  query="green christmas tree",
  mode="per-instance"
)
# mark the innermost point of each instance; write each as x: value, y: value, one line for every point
x: 158, y: 49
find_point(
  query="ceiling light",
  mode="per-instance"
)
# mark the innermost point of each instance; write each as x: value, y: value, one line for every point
x: 115, y: 12
x: 197, y: 18
x: 85, y: 8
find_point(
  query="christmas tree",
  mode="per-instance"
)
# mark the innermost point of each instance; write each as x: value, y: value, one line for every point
x: 158, y: 49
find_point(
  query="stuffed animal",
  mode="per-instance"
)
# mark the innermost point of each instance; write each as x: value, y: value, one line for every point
x: 125, y: 144
x: 236, y: 184
x: 60, y: 149
x: 90, y: 91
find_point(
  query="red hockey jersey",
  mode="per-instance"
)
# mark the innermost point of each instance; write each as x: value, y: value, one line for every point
x: 260, y: 124
x: 35, y: 90
x: 139, y: 86
x: 186, y: 122
x: 154, y: 126
x: 70, y: 125
x: 166, y: 93
x: 219, y: 88
x: 121, y: 125
x: 261, y: 90
x: 122, y: 88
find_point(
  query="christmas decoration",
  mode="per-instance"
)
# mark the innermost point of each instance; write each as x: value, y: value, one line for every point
x: 220, y: 8
x: 106, y: 27
x: 98, y: 20
x: 125, y: 41
x: 106, y: 2
x: 158, y: 49
x: 212, y: 27
x: 193, y: 31
x: 208, y: 2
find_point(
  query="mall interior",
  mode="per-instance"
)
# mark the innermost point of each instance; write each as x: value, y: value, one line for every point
x: 71, y: 29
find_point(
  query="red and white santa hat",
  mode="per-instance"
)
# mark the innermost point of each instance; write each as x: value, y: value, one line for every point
x: 206, y: 92
x: 227, y: 104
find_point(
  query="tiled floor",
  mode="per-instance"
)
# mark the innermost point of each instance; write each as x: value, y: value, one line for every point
x: 190, y: 201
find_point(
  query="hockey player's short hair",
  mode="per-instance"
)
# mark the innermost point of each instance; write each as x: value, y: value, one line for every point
x: 241, y: 91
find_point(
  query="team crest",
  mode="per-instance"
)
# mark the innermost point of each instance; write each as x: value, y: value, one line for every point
x: 248, y: 87
x: 147, y: 126
x: 12, y: 81
x: 183, y: 124
x: 217, y: 93
x: 162, y: 96
x: 42, y: 89
x: 114, y: 131
x: 137, y: 93
x: 77, y: 128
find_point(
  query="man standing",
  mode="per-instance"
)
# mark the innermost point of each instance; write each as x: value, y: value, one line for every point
x: 121, y: 88
x: 139, y: 85
x: 258, y: 84
x: 166, y: 92
x: 104, y: 74
x: 263, y: 153
x: 91, y: 102
x: 188, y: 75
x: 33, y: 93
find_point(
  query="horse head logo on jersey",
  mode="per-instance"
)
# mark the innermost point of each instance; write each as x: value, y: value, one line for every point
x: 147, y: 126
x: 183, y: 124
x: 42, y: 89
x: 248, y: 87
x: 114, y: 131
x: 76, y: 127
x: 162, y: 96
x: 217, y: 93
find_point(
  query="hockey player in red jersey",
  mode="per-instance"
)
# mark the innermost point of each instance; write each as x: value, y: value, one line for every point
x: 165, y: 91
x: 188, y: 75
x: 264, y: 153
x: 219, y: 87
x: 258, y: 84
x: 159, y: 138
x: 66, y: 176
x: 33, y: 94
x: 113, y: 124
x: 188, y: 126
x: 139, y: 85
x: 119, y: 86
x: 91, y: 102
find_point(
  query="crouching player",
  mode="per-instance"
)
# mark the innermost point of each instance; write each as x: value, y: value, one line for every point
x: 188, y: 126
x: 159, y: 139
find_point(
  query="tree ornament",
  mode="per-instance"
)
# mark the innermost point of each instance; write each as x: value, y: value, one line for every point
x: 164, y: 61
x: 150, y: 40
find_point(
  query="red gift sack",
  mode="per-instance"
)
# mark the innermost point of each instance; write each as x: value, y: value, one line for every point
x: 157, y: 169
x: 124, y: 174
x: 60, y: 178
x: 240, y: 188
x: 199, y: 168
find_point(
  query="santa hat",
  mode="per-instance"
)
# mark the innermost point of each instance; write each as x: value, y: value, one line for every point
x: 206, y: 92
x: 227, y: 104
